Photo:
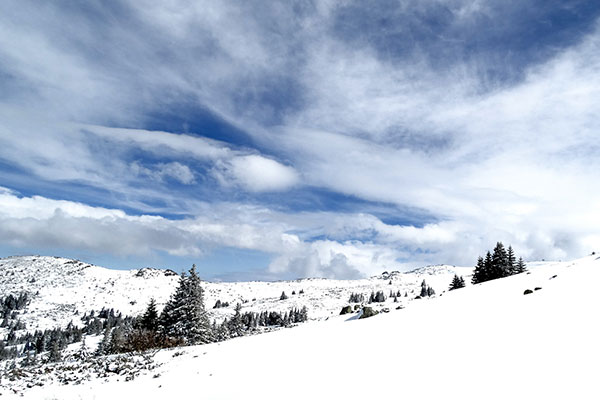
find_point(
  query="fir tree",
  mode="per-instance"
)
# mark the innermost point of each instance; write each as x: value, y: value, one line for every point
x: 457, y: 283
x: 184, y: 316
x: 195, y: 318
x: 236, y: 326
x: 423, y: 289
x: 283, y: 296
x: 149, y: 320
x: 511, y: 261
x: 104, y: 345
x: 55, y: 353
x: 520, y: 268
x: 499, y: 262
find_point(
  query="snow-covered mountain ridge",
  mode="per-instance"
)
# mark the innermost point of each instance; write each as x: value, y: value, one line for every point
x: 63, y: 289
x: 489, y: 341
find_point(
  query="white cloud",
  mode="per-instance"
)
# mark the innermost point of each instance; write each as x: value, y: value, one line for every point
x: 256, y: 173
x: 330, y: 259
x: 173, y: 170
x: 513, y: 162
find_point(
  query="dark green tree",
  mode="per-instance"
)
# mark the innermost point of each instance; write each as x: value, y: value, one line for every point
x: 149, y: 320
x: 520, y: 268
x: 512, y: 262
x: 236, y: 326
x: 499, y: 262
x: 184, y: 316
x: 457, y: 283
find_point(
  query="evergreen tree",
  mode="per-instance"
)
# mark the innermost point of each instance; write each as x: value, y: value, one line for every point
x: 196, y: 320
x: 171, y: 315
x: 82, y: 352
x: 379, y: 297
x: 303, y: 317
x: 499, y: 262
x: 222, y: 331
x: 511, y: 261
x: 283, y: 296
x: 457, y: 283
x: 149, y: 320
x: 236, y: 325
x: 184, y: 316
x: 117, y: 341
x: 55, y: 353
x: 104, y: 345
x: 423, y: 289
x: 520, y: 268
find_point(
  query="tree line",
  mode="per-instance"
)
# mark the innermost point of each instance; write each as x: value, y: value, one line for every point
x: 497, y: 264
x: 183, y: 321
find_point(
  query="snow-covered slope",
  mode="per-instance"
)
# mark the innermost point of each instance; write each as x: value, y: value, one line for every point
x: 63, y: 290
x: 486, y: 341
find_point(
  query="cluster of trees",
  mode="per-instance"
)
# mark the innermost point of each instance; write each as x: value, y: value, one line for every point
x: 9, y: 307
x: 183, y: 321
x: 396, y: 295
x: 285, y: 296
x: 54, y: 341
x: 457, y: 283
x: 377, y: 297
x: 356, y: 298
x: 497, y: 264
x: 11, y: 303
x: 221, y: 304
x: 241, y: 324
x: 426, y: 290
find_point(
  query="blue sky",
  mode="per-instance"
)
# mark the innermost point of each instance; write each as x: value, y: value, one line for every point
x: 296, y: 138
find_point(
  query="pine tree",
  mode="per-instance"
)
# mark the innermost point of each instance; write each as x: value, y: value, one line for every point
x: 222, y: 331
x: 82, y: 352
x: 520, y: 268
x: 499, y: 262
x: 283, y: 296
x: 172, y: 314
x: 511, y: 261
x: 499, y: 265
x: 303, y: 314
x: 235, y: 325
x: 423, y: 289
x: 149, y: 320
x: 184, y: 316
x: 488, y: 267
x: 195, y: 317
x: 55, y: 353
x: 457, y: 283
x: 104, y: 345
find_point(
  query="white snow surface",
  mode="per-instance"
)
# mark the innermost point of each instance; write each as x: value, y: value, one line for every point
x: 488, y: 341
x: 64, y: 289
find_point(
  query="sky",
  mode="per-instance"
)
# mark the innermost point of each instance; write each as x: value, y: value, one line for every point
x: 287, y: 139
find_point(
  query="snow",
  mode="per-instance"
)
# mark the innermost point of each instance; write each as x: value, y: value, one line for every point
x: 66, y: 289
x: 485, y: 341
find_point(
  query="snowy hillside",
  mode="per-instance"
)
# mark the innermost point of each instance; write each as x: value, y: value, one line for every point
x: 63, y: 290
x: 486, y: 341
